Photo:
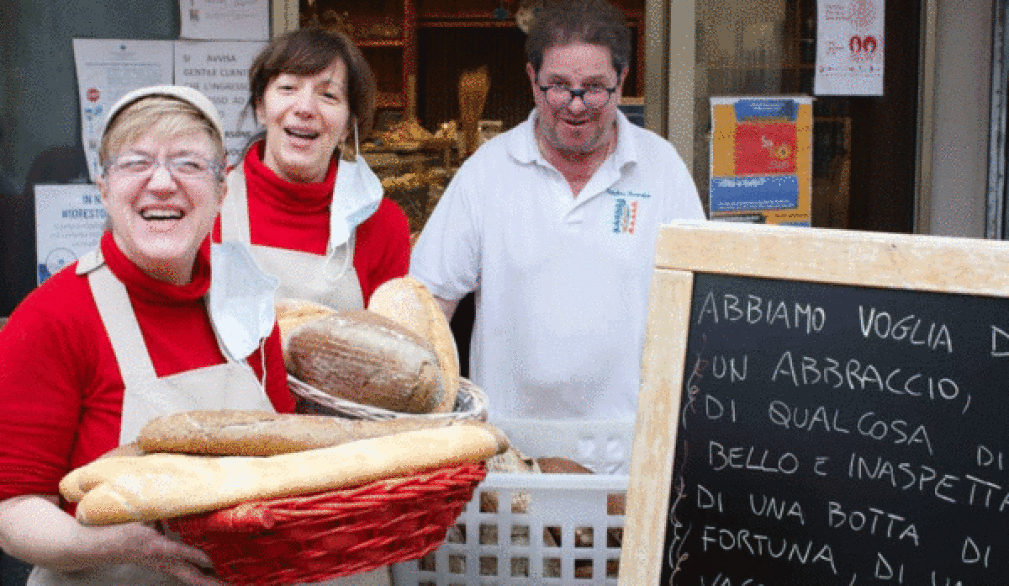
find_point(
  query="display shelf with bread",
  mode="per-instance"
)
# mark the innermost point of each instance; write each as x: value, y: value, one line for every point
x: 545, y: 521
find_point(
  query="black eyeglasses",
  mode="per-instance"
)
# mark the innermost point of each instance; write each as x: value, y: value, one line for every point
x: 594, y: 97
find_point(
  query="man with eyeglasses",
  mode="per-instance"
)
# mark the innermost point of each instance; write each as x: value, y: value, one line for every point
x: 553, y: 225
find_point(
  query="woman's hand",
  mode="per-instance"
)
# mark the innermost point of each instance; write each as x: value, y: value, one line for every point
x: 33, y: 528
x: 143, y: 545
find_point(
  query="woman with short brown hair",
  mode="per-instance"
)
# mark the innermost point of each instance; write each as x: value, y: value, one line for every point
x: 303, y: 199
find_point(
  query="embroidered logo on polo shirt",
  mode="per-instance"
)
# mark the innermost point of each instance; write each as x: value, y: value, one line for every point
x: 626, y: 206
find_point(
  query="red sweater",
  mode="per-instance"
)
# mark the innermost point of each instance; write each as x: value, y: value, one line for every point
x: 295, y: 216
x: 60, y: 385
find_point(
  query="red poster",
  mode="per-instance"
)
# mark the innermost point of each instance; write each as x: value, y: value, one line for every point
x: 765, y: 148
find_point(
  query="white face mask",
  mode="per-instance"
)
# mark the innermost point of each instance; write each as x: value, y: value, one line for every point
x: 356, y: 196
x: 241, y: 299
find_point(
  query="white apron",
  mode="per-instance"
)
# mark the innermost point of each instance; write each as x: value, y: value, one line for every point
x: 328, y: 279
x: 232, y: 385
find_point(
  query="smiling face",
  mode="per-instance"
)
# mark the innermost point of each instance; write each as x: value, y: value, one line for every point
x: 575, y: 129
x: 159, y: 221
x: 306, y: 117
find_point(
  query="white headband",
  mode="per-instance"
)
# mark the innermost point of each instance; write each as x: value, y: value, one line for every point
x: 180, y: 92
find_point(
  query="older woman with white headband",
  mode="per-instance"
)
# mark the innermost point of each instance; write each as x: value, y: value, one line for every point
x: 133, y: 330
x: 315, y: 219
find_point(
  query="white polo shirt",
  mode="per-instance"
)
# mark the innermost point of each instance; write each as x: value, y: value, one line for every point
x: 561, y: 283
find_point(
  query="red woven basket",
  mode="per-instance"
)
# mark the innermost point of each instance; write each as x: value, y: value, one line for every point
x: 337, y: 533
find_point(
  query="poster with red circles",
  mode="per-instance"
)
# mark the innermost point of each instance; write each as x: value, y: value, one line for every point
x: 850, y: 48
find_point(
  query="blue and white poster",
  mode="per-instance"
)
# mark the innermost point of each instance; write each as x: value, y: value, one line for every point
x: 68, y: 223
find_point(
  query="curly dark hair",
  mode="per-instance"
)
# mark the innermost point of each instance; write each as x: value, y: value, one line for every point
x: 308, y: 51
x: 594, y: 22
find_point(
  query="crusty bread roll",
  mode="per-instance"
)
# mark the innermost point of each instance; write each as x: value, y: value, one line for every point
x: 293, y: 312
x: 409, y: 303
x: 226, y: 432
x: 369, y: 359
x: 557, y: 465
x: 162, y: 486
x: 515, y: 462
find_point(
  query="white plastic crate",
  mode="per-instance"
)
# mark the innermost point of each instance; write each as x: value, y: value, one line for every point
x: 539, y: 528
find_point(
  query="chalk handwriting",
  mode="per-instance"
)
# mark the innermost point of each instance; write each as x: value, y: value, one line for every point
x: 904, y: 476
x: 754, y: 310
x: 676, y: 555
x: 760, y: 545
x: 722, y: 368
x: 854, y: 375
x: 779, y: 509
x: 715, y: 409
x: 868, y: 424
x: 750, y: 458
x: 874, y: 522
x: 908, y: 328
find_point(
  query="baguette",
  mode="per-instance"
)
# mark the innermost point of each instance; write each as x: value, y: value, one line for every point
x: 366, y: 358
x: 162, y: 486
x: 409, y: 303
x: 262, y: 433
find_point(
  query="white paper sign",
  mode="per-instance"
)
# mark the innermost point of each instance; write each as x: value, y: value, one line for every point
x: 106, y: 70
x: 221, y: 71
x: 225, y: 20
x: 849, y: 48
x: 68, y: 223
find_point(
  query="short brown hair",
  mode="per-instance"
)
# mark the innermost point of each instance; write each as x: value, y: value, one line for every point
x: 163, y: 115
x: 594, y: 22
x: 307, y: 52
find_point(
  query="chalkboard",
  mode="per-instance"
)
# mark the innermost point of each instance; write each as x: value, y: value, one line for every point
x: 822, y: 407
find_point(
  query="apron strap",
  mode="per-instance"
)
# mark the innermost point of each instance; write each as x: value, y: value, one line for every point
x: 235, y: 210
x: 121, y: 324
x: 90, y: 261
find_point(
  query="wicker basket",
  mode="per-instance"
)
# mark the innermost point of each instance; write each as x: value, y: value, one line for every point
x: 471, y: 403
x: 341, y: 532
x: 331, y: 534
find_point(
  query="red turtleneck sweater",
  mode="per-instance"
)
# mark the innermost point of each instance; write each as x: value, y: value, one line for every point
x: 295, y: 216
x: 60, y: 385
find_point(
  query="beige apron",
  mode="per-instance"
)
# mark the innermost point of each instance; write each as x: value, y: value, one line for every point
x: 331, y: 281
x: 232, y: 385
x: 327, y: 279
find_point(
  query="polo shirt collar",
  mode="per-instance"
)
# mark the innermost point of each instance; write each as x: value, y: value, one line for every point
x: 523, y: 148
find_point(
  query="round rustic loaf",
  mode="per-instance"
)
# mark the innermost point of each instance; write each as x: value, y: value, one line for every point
x: 361, y: 356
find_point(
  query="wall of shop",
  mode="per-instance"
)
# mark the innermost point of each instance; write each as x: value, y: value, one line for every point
x: 961, y: 119
x: 40, y: 137
x: 38, y: 83
x: 38, y: 94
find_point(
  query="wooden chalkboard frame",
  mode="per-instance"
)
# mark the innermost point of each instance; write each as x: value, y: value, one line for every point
x: 842, y: 257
